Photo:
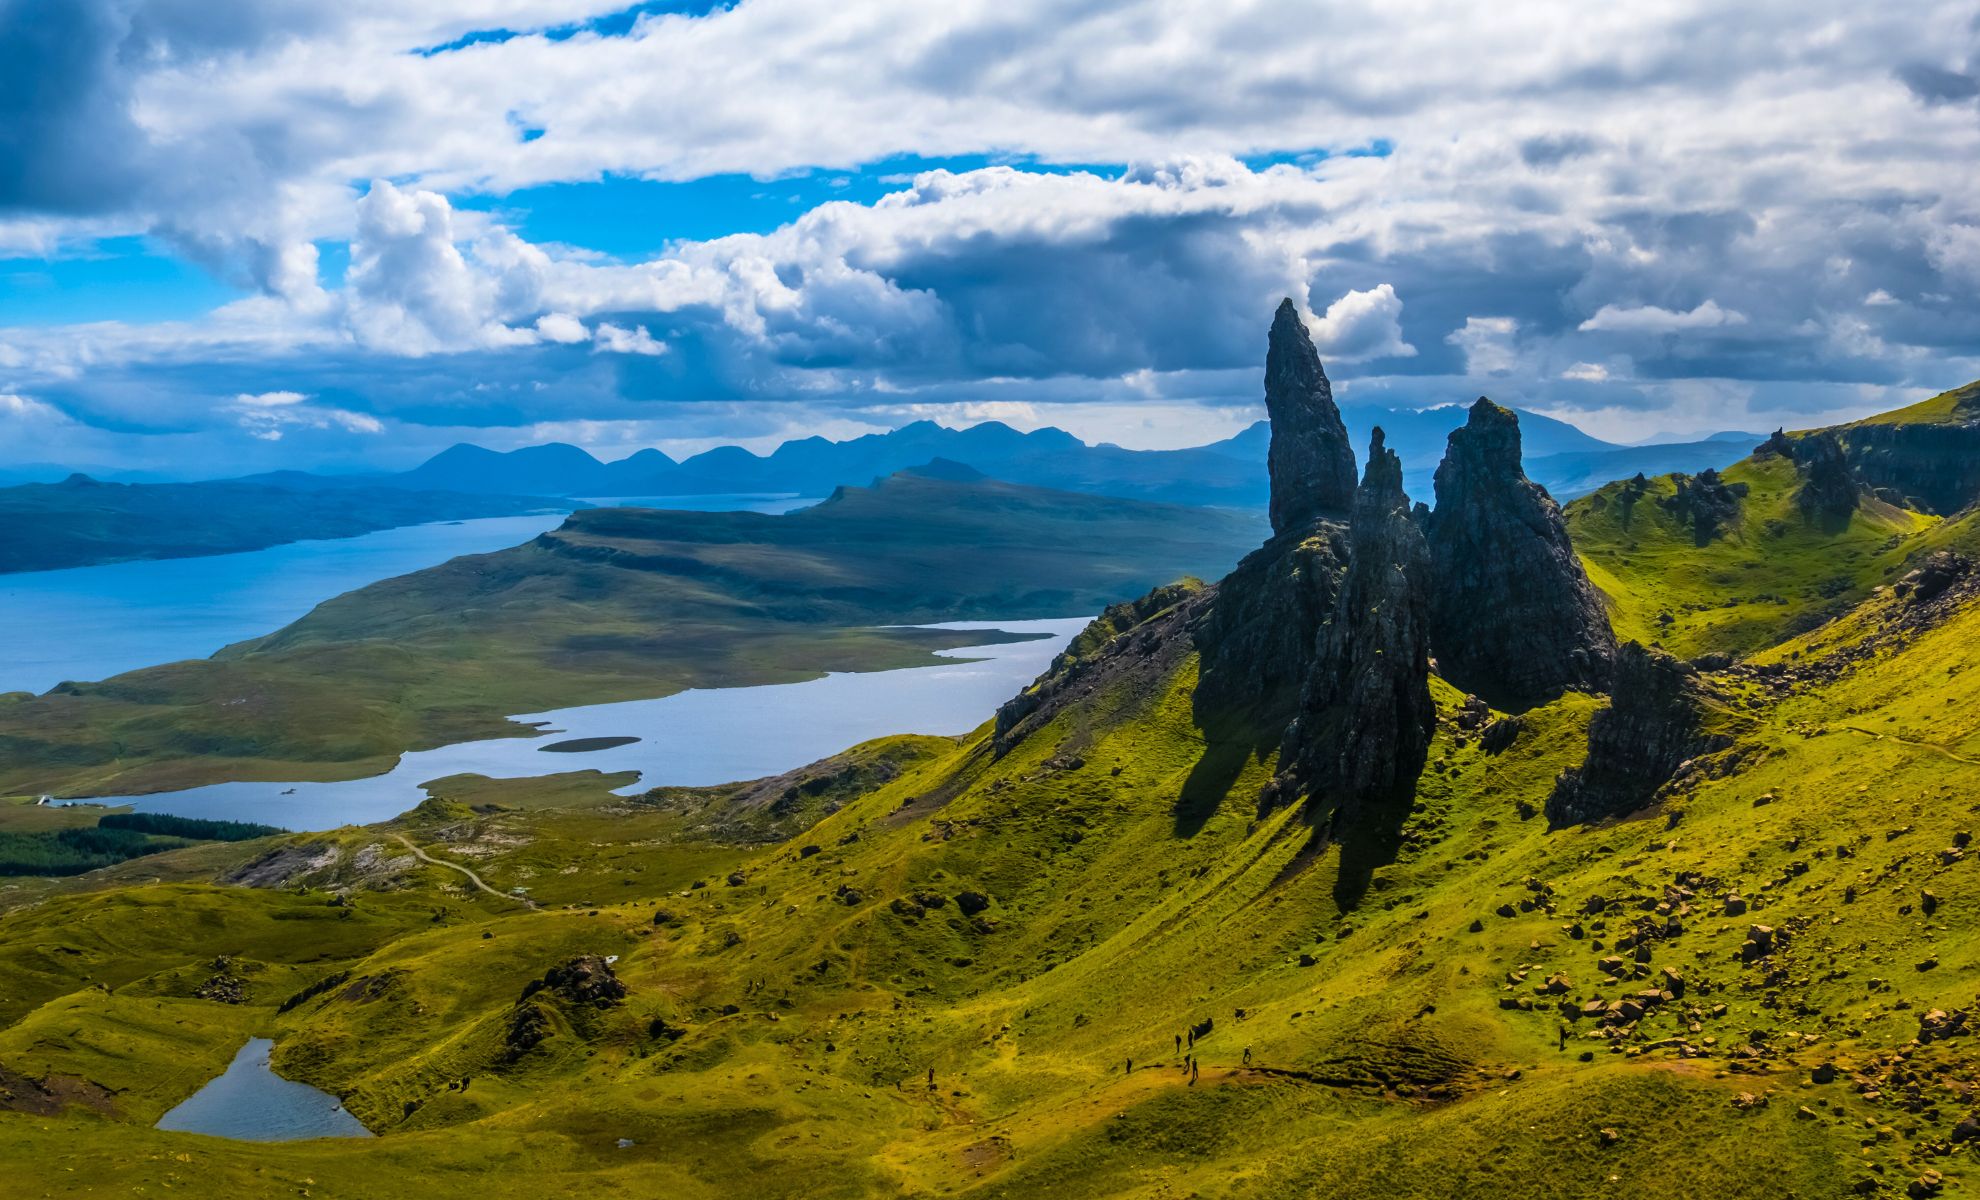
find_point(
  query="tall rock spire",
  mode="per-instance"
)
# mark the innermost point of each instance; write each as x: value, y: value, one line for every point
x: 1311, y: 462
x: 1513, y: 616
x: 1364, y: 732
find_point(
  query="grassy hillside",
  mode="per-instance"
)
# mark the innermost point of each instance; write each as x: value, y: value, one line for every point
x: 980, y: 967
x: 1766, y: 573
x: 82, y: 522
x: 780, y: 1021
x: 618, y: 604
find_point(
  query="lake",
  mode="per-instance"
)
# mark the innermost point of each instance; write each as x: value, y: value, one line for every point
x: 693, y: 738
x: 94, y: 622
x: 250, y: 1102
x: 88, y: 623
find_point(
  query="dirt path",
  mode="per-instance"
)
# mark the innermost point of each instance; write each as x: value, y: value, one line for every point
x: 476, y: 880
x: 1932, y: 746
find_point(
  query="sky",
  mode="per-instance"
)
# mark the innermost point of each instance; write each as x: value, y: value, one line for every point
x: 239, y: 235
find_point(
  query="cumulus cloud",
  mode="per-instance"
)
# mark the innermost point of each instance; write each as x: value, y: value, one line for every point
x: 1488, y: 345
x: 1648, y: 318
x: 1363, y: 325
x: 21, y: 410
x: 269, y: 416
x: 1804, y: 163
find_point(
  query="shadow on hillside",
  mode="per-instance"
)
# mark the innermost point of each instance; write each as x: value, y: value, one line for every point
x: 1231, y: 742
x: 1369, y: 841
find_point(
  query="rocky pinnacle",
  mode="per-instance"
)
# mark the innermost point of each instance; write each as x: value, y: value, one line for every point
x: 1513, y: 615
x: 1311, y: 462
x: 1364, y: 734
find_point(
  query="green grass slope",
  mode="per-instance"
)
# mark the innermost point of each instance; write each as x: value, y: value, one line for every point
x: 1768, y: 573
x: 786, y: 1001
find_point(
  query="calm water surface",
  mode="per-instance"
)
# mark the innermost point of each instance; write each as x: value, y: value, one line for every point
x: 95, y: 622
x: 251, y: 1103
x: 692, y: 738
x: 89, y: 623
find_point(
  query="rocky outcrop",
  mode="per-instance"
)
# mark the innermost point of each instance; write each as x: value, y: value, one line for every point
x: 1513, y: 616
x: 1259, y: 637
x: 1312, y: 464
x: 587, y: 979
x: 1655, y: 724
x: 1705, y: 502
x: 1828, y: 492
x: 1367, y: 717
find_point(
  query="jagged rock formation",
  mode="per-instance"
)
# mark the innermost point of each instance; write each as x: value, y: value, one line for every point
x: 1259, y: 638
x: 1312, y: 464
x: 1513, y: 616
x: 1777, y: 445
x: 1364, y: 732
x: 1828, y: 490
x: 1706, y: 502
x: 1656, y: 722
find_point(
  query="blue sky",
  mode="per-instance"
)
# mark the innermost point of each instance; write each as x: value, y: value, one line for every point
x: 283, y: 234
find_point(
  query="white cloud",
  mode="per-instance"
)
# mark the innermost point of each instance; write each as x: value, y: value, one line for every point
x: 562, y: 328
x: 1488, y: 345
x: 1648, y: 318
x: 615, y: 339
x: 1544, y: 188
x: 1363, y: 325
x: 269, y: 399
x: 26, y: 410
x: 270, y: 415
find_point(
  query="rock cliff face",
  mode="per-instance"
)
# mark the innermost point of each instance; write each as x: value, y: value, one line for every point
x: 1311, y: 462
x: 1828, y: 492
x: 1933, y: 466
x: 1513, y: 616
x: 1654, y: 724
x: 1259, y: 639
x: 1366, y: 721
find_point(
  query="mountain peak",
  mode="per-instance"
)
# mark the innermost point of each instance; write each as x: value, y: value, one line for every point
x: 1312, y: 465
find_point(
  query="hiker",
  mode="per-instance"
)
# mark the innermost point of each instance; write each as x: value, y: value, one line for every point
x: 1192, y: 1039
x: 1194, y: 1067
x: 1563, y: 1032
x: 1247, y: 1056
x: 1179, y: 1043
x: 1130, y: 1067
x: 931, y: 1079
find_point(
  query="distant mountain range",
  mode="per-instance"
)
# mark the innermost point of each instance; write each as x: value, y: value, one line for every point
x: 1559, y: 456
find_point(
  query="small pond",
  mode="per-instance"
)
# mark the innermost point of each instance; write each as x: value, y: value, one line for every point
x: 249, y: 1102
